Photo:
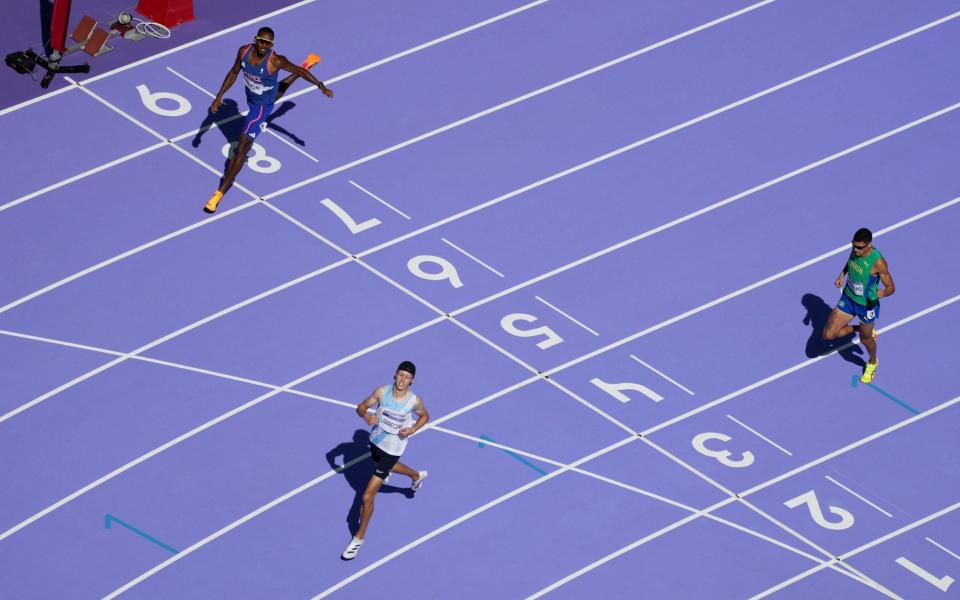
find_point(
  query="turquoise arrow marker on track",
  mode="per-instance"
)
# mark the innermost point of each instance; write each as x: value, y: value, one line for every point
x: 514, y: 455
x: 855, y: 380
x: 110, y: 519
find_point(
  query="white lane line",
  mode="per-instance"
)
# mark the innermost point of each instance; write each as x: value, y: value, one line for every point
x: 426, y: 45
x: 860, y: 576
x: 471, y: 257
x: 467, y: 517
x: 26, y: 103
x: 175, y: 365
x: 82, y: 175
x: 856, y: 495
x: 464, y: 409
x: 166, y: 338
x: 794, y: 368
x: 208, y: 425
x: 856, y: 551
x: 317, y: 480
x: 516, y: 100
x: 566, y: 315
x: 471, y: 406
x: 664, y: 375
x: 658, y: 135
x: 696, y: 213
x: 571, y: 265
x: 234, y: 525
x: 206, y: 38
x: 234, y: 117
x: 641, y: 491
x: 849, y: 447
x: 379, y: 199
x: 944, y: 548
x: 128, y: 253
x: 760, y: 435
x: 656, y: 534
x: 281, y: 138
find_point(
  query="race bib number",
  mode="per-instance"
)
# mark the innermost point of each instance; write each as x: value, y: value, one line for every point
x: 391, y: 422
x: 855, y: 287
x: 254, y: 86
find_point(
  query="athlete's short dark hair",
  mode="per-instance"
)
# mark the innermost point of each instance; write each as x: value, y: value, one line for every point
x: 408, y: 367
x: 863, y: 235
x: 264, y: 30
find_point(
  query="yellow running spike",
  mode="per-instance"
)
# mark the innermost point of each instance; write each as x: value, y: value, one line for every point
x: 213, y: 202
x: 869, y: 372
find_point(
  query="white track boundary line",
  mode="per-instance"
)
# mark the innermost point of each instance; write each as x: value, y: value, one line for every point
x: 862, y: 548
x: 342, y: 167
x: 234, y: 117
x: 162, y: 54
x: 702, y: 211
x: 774, y: 481
x: 660, y: 134
x: 228, y: 528
x: 313, y: 482
x: 559, y: 464
x: 849, y: 447
x: 128, y: 253
x: 162, y: 340
x: 573, y: 264
x: 513, y: 101
x: 267, y: 16
x: 794, y: 368
x: 451, y: 415
x: 749, y: 288
x: 82, y: 175
x: 205, y: 426
x: 861, y: 577
x: 174, y: 365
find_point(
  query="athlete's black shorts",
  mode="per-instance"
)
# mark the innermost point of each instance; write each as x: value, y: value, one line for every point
x: 382, y: 461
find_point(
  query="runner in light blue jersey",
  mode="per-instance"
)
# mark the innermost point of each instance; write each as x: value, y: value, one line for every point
x: 393, y: 423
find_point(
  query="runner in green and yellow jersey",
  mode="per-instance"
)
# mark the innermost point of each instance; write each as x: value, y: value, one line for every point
x: 865, y: 269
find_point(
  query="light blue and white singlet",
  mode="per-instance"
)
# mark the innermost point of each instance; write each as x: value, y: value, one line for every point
x: 392, y: 416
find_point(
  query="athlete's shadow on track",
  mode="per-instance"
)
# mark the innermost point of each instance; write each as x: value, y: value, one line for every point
x: 818, y: 312
x: 231, y: 129
x: 359, y: 474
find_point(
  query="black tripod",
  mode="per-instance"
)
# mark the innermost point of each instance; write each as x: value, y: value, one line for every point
x: 28, y: 60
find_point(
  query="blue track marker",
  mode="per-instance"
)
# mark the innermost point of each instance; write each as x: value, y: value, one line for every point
x: 516, y: 456
x: 110, y: 519
x: 855, y: 381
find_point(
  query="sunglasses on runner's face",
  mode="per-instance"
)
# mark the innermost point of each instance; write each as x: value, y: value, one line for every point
x: 264, y: 41
x: 856, y: 247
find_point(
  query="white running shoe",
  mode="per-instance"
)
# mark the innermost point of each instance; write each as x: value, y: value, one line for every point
x: 419, y: 482
x: 352, y: 548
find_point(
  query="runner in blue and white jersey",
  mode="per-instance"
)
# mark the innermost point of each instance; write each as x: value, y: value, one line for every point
x: 393, y: 424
